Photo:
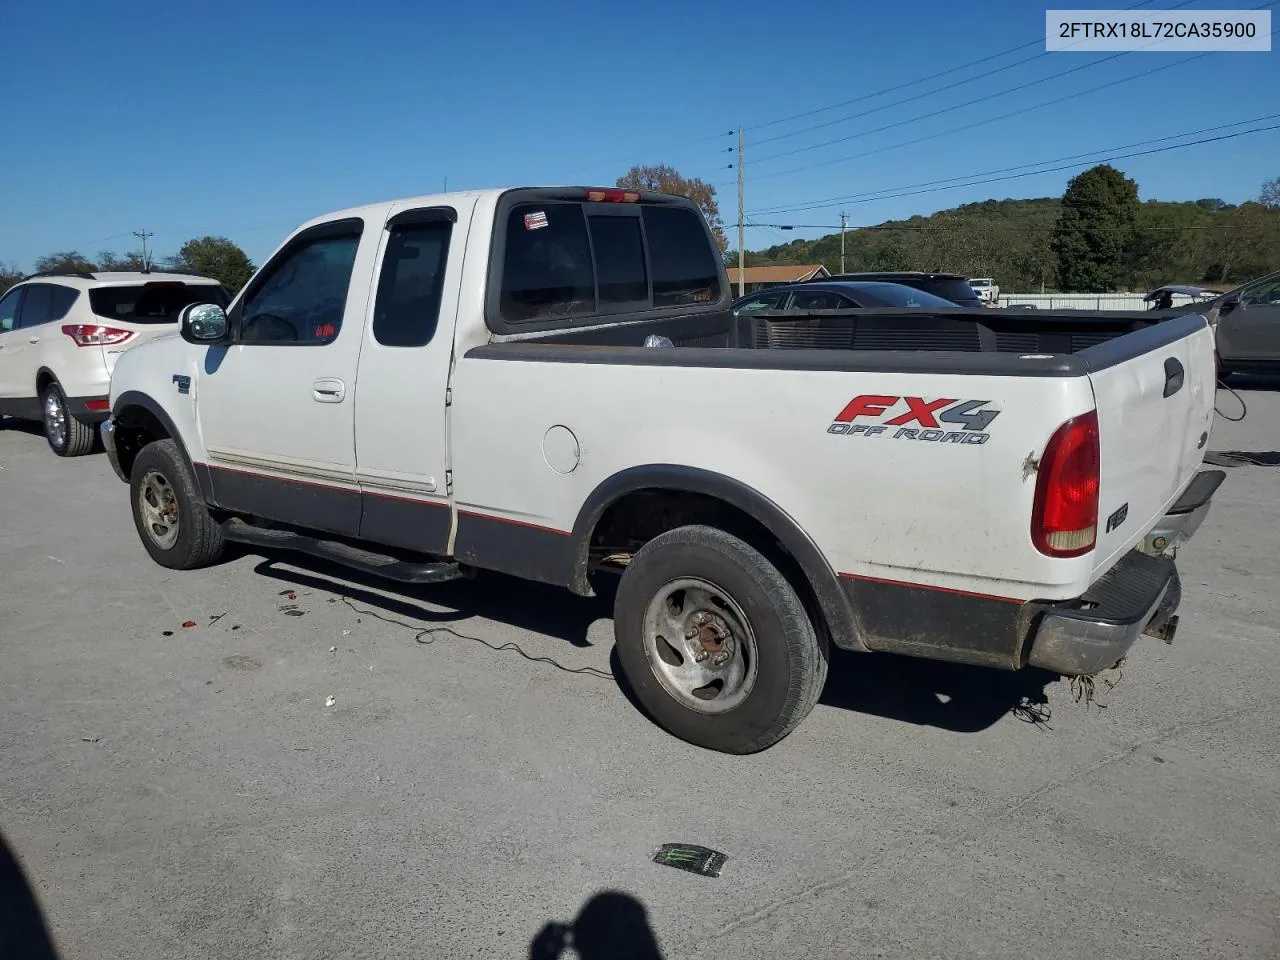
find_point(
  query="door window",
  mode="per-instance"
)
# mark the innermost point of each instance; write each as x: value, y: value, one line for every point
x: 411, y: 285
x: 1262, y: 294
x: 9, y: 309
x: 37, y: 306
x: 302, y: 297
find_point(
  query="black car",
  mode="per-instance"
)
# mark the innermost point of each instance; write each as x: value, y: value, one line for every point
x: 948, y: 286
x: 839, y: 295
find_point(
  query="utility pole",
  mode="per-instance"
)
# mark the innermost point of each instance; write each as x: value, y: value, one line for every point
x: 844, y: 224
x: 742, y: 256
x: 142, y: 235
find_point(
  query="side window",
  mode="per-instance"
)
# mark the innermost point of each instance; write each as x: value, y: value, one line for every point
x: 682, y: 258
x: 1262, y: 293
x: 619, y: 255
x: 63, y: 298
x: 819, y: 300
x: 37, y: 306
x: 767, y: 301
x: 411, y: 285
x: 546, y: 270
x: 9, y: 305
x: 303, y: 296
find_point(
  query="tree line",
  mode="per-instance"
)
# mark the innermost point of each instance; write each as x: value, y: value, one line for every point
x: 1097, y: 237
x: 214, y: 257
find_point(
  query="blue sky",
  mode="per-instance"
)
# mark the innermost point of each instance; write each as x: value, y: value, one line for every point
x: 243, y: 119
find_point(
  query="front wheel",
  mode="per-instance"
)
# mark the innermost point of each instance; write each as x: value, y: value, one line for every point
x: 715, y: 642
x: 171, y: 516
x: 67, y: 436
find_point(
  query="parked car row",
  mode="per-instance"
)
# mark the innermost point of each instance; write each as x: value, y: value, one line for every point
x: 61, y: 335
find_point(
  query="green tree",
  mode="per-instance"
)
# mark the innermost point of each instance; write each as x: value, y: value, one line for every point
x: 664, y: 179
x: 215, y: 257
x: 1093, y: 237
x: 9, y: 275
x: 112, y: 262
x: 65, y: 261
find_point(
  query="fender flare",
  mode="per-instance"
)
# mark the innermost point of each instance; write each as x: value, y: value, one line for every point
x: 136, y: 398
x: 831, y: 596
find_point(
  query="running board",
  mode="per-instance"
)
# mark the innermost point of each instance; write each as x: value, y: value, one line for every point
x: 375, y: 564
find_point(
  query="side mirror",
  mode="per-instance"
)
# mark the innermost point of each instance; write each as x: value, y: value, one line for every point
x: 203, y: 323
x: 1229, y: 303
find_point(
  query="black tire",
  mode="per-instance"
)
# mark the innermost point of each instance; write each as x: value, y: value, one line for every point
x: 790, y: 655
x: 171, y: 517
x: 67, y: 436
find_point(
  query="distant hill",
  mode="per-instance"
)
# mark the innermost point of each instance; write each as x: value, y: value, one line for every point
x: 1187, y: 242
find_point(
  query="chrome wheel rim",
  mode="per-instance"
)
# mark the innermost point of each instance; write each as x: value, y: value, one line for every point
x: 55, y: 419
x: 158, y: 509
x: 700, y: 645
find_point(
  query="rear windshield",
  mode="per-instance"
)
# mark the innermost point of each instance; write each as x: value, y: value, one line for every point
x: 564, y: 260
x: 979, y: 283
x: 158, y: 302
x: 957, y: 290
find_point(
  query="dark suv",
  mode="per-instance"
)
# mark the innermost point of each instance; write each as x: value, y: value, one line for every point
x: 948, y: 286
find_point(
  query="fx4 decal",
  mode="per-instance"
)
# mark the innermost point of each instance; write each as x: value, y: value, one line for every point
x: 943, y: 420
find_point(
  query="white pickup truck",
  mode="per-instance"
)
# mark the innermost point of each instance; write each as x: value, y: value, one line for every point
x: 549, y: 382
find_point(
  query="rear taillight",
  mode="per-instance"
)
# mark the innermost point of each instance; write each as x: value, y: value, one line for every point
x: 1064, y: 521
x: 92, y: 335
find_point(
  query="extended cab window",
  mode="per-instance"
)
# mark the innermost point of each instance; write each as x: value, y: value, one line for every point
x: 303, y: 296
x: 412, y: 284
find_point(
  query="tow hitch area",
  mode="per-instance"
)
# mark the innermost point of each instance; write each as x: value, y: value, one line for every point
x: 1164, y: 631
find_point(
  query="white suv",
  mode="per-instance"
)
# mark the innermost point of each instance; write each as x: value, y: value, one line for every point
x: 60, y: 335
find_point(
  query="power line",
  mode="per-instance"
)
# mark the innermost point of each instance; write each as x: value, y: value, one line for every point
x: 1067, y: 166
x: 982, y: 122
x: 911, y: 83
x: 943, y: 89
x: 873, y: 194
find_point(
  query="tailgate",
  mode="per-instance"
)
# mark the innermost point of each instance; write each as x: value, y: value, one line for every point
x: 1154, y: 391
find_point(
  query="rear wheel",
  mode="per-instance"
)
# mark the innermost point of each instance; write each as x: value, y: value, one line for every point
x: 715, y: 642
x: 67, y: 436
x: 172, y: 518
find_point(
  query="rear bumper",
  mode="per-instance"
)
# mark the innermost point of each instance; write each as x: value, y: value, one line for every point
x: 1140, y: 594
x: 1185, y: 516
x: 89, y: 409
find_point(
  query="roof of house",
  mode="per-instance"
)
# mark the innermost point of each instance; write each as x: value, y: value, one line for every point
x: 779, y: 273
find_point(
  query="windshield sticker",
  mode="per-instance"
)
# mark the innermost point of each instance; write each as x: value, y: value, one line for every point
x: 535, y: 221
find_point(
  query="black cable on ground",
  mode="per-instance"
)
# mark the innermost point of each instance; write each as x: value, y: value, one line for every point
x: 1244, y: 407
x: 430, y: 633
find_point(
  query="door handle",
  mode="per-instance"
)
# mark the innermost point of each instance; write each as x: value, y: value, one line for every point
x: 1174, y: 376
x: 33, y: 340
x: 329, y: 390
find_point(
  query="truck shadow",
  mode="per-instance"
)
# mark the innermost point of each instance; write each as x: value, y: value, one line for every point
x: 610, y: 926
x: 950, y: 696
x: 23, y: 933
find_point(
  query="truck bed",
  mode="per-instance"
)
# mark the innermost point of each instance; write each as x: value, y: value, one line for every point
x: 1009, y: 342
